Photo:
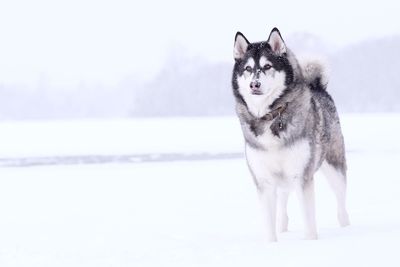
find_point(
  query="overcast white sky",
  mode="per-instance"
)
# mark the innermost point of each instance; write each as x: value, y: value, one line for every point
x: 104, y: 41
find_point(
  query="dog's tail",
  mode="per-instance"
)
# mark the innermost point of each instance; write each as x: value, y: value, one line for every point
x: 315, y: 73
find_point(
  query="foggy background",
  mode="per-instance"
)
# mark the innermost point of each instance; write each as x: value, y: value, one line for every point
x: 106, y: 59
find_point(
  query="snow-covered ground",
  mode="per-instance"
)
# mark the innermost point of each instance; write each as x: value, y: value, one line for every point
x: 186, y: 212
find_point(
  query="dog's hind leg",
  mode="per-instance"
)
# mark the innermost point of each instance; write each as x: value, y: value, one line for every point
x: 282, y: 217
x: 306, y: 195
x: 337, y: 181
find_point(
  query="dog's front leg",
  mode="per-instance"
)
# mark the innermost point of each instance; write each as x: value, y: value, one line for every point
x: 267, y: 196
x: 282, y: 217
x: 305, y: 192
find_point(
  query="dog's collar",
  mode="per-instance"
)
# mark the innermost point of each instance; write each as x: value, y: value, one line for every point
x: 274, y: 113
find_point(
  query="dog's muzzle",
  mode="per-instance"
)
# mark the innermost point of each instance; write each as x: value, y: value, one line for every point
x: 255, y: 87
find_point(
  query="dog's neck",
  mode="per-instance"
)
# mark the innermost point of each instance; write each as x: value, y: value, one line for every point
x: 277, y: 112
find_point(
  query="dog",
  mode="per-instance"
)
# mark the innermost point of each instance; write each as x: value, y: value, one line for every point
x: 291, y: 129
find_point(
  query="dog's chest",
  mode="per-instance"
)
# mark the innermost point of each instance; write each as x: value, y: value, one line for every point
x: 260, y: 134
x: 278, y: 164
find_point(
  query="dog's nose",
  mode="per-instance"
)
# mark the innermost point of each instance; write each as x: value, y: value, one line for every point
x: 255, y: 85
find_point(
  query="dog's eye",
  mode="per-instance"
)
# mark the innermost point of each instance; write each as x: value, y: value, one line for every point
x: 248, y: 68
x: 267, y: 67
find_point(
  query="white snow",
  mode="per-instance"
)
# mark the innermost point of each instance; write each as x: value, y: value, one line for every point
x: 186, y: 213
x: 102, y: 137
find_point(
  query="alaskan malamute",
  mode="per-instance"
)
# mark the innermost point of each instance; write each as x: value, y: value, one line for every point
x: 291, y: 129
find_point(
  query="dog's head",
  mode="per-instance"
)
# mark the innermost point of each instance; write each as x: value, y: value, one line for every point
x: 262, y: 70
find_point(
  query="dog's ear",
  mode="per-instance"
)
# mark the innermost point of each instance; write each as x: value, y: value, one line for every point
x: 240, y: 46
x: 276, y: 42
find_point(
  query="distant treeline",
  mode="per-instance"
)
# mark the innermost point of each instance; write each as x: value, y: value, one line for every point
x: 364, y: 78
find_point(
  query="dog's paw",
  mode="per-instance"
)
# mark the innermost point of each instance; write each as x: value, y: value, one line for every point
x: 311, y: 236
x: 343, y: 219
x: 283, y: 224
x: 271, y: 239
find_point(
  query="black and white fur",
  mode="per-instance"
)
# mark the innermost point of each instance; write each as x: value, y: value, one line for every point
x: 285, y: 152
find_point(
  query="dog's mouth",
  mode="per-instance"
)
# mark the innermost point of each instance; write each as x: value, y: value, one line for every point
x: 256, y: 92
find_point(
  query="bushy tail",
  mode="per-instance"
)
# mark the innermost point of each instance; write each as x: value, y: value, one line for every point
x: 315, y: 74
